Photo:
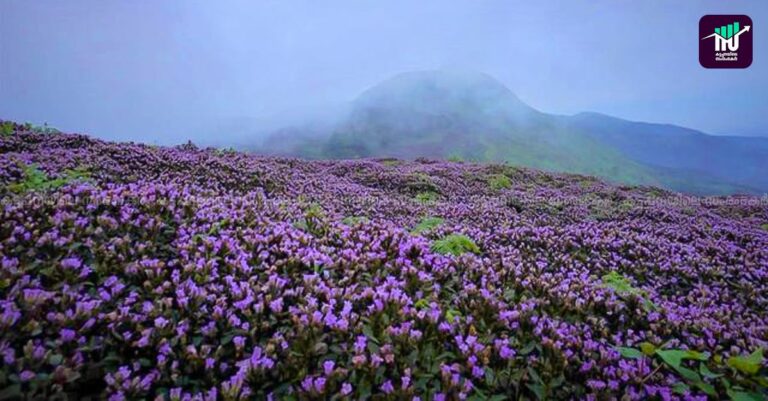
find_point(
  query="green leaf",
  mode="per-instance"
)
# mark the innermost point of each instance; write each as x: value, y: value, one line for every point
x: 490, y: 377
x: 423, y: 303
x: 680, y: 388
x: 369, y: 333
x: 535, y: 375
x: 706, y: 388
x: 704, y: 370
x: 745, y: 396
x: 747, y: 364
x: 528, y: 348
x: 688, y: 374
x: 451, y: 314
x: 11, y: 392
x: 537, y: 390
x: 671, y: 357
x: 674, y: 358
x: 55, y: 359
x: 699, y: 356
x: 647, y: 348
x: 631, y: 353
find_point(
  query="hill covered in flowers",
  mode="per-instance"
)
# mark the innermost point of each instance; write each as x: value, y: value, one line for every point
x: 138, y: 272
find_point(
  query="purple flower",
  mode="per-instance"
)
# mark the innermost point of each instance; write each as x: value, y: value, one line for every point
x: 277, y: 305
x: 27, y: 375
x: 360, y: 344
x: 161, y: 322
x: 71, y: 263
x: 328, y: 367
x: 506, y: 353
x: 320, y: 384
x: 67, y: 335
x: 307, y: 383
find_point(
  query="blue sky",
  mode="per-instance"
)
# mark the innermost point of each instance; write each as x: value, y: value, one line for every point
x: 162, y: 71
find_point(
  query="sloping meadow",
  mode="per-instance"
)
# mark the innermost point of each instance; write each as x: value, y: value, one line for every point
x: 138, y: 272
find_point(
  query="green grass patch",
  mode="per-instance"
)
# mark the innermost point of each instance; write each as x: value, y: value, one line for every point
x: 427, y: 224
x: 35, y: 179
x: 41, y: 129
x: 622, y: 287
x: 456, y: 158
x: 455, y: 244
x: 427, y: 197
x: 354, y: 220
x: 6, y: 128
x: 498, y: 182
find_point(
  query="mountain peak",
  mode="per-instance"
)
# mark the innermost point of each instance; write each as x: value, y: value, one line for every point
x: 443, y: 92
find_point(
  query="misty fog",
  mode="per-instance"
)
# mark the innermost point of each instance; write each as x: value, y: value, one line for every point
x: 226, y: 73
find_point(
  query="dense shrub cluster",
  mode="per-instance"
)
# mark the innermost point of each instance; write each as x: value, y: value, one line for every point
x: 195, y: 274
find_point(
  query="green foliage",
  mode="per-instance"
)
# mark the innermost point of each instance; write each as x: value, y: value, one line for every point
x: 630, y: 353
x: 427, y: 197
x: 498, y: 182
x: 354, y: 220
x: 225, y: 151
x: 647, y: 348
x: 390, y: 162
x: 41, y: 129
x: 739, y: 381
x: 421, y: 182
x: 765, y: 227
x: 313, y: 221
x: 6, y: 128
x: 615, y: 281
x: 747, y: 364
x: 621, y: 285
x: 35, y: 179
x: 428, y: 223
x: 456, y: 158
x: 745, y: 396
x: 455, y: 244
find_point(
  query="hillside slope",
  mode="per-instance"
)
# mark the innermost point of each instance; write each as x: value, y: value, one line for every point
x: 442, y: 114
x: 131, y: 271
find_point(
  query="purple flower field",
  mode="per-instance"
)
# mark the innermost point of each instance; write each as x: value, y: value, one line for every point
x: 139, y: 272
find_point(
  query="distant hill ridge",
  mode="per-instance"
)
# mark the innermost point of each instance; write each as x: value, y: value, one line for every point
x: 472, y: 116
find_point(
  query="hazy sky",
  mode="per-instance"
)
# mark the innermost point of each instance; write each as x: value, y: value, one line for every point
x: 165, y: 70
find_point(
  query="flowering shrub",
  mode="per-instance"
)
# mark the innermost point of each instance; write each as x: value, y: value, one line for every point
x: 194, y: 274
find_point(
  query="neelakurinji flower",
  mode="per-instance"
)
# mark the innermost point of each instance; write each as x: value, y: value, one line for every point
x: 224, y: 275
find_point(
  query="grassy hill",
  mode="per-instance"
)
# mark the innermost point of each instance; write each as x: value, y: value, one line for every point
x: 471, y: 116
